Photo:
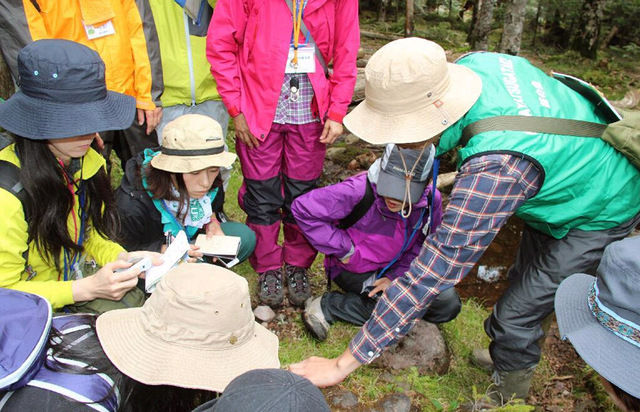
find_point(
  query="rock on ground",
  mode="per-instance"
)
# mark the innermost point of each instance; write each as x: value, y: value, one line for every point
x: 264, y: 314
x: 423, y: 347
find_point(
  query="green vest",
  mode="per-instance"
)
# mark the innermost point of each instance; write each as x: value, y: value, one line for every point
x: 182, y: 84
x: 588, y: 185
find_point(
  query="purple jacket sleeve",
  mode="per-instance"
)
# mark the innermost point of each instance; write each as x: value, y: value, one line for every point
x: 403, y: 264
x: 316, y: 211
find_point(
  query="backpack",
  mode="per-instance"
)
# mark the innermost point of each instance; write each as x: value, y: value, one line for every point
x: 622, y: 131
x: 25, y: 327
x: 24, y: 363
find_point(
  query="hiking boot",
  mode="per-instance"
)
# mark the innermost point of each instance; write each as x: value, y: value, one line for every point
x: 298, y: 286
x: 511, y: 384
x: 270, y: 289
x: 314, y: 319
x: 482, y: 359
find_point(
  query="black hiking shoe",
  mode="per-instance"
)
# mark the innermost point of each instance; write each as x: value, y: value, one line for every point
x: 298, y: 286
x: 270, y: 290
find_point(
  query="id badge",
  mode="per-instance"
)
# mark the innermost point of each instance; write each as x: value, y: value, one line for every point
x: 306, y: 60
x: 95, y: 32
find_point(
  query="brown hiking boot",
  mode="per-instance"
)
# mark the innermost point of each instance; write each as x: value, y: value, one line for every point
x: 270, y: 291
x: 298, y: 286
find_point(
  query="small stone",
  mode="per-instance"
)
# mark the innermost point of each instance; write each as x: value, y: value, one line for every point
x: 395, y: 402
x: 344, y: 399
x: 333, y: 152
x: 264, y: 313
x: 353, y: 165
x: 351, y: 139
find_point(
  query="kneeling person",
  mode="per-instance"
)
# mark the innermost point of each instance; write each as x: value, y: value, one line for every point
x: 365, y: 256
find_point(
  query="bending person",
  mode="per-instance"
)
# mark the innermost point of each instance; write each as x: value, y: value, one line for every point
x: 178, y: 187
x: 65, y: 211
x: 576, y: 195
x: 389, y: 212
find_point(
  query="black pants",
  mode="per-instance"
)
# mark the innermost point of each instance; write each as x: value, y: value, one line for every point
x: 356, y: 308
x: 541, y: 264
x: 128, y: 142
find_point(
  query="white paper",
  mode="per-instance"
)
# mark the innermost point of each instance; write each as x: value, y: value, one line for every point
x: 95, y: 32
x: 172, y: 255
x: 306, y: 60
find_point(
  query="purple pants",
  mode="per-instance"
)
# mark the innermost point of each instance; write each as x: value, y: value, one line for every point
x: 286, y: 165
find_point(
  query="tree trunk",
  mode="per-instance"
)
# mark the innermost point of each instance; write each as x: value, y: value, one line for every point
x: 513, y: 24
x: 586, y: 40
x: 536, y: 24
x: 480, y: 33
x: 473, y: 5
x: 408, y: 26
x: 382, y: 11
x: 7, y: 87
x: 607, y: 40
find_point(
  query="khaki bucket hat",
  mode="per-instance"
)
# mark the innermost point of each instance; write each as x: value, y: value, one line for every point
x: 411, y: 93
x: 196, y: 331
x: 190, y: 143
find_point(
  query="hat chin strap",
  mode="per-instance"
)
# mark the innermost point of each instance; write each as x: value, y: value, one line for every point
x: 407, y: 182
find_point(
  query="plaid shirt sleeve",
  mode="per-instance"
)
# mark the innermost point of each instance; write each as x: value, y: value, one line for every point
x: 488, y: 189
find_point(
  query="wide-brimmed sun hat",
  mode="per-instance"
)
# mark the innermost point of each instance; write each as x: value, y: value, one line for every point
x: 411, y: 93
x: 268, y: 390
x: 601, y: 316
x: 63, y: 94
x: 196, y: 331
x: 190, y: 143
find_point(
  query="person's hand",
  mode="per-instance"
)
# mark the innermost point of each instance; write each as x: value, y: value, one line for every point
x: 153, y: 117
x: 243, y: 133
x: 325, y: 372
x: 106, y: 283
x: 330, y: 132
x: 380, y: 285
x: 194, y: 254
x: 214, y: 229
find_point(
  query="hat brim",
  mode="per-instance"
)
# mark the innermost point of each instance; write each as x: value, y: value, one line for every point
x: 153, y: 361
x: 188, y: 164
x: 393, y: 187
x: 414, y: 126
x: 40, y: 119
x: 605, y: 352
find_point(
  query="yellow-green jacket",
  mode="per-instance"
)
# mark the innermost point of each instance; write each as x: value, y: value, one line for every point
x: 13, y: 242
x: 186, y: 70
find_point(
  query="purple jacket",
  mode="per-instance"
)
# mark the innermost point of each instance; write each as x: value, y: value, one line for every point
x: 378, y: 236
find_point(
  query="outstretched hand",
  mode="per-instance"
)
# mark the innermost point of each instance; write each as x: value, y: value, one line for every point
x: 325, y: 372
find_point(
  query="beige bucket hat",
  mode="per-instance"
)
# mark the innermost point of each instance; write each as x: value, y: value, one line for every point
x: 190, y: 143
x: 411, y: 93
x: 196, y: 331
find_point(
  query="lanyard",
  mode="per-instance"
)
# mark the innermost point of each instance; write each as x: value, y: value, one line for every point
x: 173, y: 218
x: 297, y: 23
x: 407, y: 241
x: 78, y: 237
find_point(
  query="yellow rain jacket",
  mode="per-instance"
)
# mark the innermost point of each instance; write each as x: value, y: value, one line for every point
x: 13, y: 242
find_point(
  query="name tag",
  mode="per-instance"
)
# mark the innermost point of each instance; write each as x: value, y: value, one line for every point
x: 306, y: 60
x: 95, y: 32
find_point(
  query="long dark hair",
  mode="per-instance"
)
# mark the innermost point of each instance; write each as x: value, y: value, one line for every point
x: 134, y: 396
x: 49, y: 201
x: 160, y: 183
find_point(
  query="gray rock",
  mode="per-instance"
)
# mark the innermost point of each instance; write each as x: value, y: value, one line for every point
x: 423, y: 347
x: 343, y: 399
x: 395, y: 402
x: 264, y: 314
x: 332, y: 152
x: 351, y: 139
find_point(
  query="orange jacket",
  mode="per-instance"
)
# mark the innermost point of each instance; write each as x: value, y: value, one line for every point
x: 131, y: 55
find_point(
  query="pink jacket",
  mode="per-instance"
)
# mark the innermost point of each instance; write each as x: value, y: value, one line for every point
x: 248, y: 44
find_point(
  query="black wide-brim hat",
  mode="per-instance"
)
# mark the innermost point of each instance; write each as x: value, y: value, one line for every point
x: 63, y: 94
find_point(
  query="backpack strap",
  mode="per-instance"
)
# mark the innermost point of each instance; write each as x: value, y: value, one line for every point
x: 535, y: 124
x: 360, y: 209
x: 309, y: 37
x: 10, y: 181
